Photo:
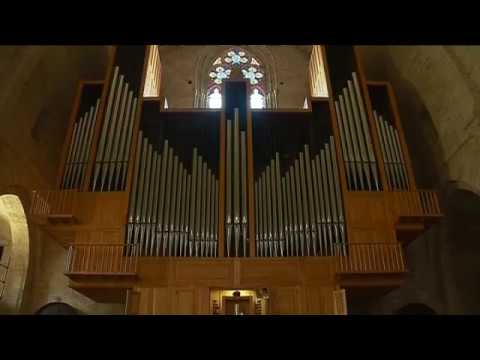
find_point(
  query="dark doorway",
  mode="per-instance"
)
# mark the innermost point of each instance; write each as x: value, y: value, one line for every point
x: 57, y: 308
x: 415, y: 309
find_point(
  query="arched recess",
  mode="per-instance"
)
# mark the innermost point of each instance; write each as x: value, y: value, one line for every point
x: 461, y: 251
x: 206, y: 58
x: 14, y: 234
x: 415, y: 309
x: 57, y: 308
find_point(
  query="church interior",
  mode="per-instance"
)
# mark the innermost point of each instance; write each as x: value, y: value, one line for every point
x: 239, y: 180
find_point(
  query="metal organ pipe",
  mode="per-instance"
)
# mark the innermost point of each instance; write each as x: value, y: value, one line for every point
x: 392, y: 153
x: 244, y: 209
x: 172, y: 212
x: 355, y: 140
x: 236, y: 212
x: 311, y: 221
x: 79, y: 149
x: 228, y: 194
x: 111, y: 162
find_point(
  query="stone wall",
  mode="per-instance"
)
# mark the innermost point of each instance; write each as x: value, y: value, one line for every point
x: 37, y: 89
x: 438, y: 94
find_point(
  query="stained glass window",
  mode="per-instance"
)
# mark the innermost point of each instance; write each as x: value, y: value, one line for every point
x: 251, y: 69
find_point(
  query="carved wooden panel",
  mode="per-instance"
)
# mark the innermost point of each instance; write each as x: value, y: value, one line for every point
x: 211, y: 272
x: 319, y: 270
x: 133, y: 306
x: 184, y: 301
x: 153, y: 272
x: 111, y: 235
x: 369, y: 217
x: 164, y: 301
x: 102, y: 208
x: 145, y: 306
x: 284, y: 301
x: 255, y: 273
x: 319, y: 300
x: 161, y: 301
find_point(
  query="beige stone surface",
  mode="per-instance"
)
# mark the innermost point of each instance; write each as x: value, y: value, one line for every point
x: 37, y: 89
x: 438, y: 90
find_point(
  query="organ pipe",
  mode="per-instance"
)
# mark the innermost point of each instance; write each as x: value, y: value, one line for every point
x: 355, y: 140
x: 396, y: 170
x: 173, y: 209
x: 79, y: 148
x: 236, y: 212
x: 111, y: 162
x: 311, y: 219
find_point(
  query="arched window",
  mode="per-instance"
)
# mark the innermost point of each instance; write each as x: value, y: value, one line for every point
x: 257, y: 100
x: 236, y: 63
x: 215, y: 98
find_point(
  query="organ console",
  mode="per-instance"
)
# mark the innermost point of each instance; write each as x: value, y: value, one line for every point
x: 169, y: 209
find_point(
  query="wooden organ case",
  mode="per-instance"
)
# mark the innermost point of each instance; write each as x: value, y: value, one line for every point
x: 172, y: 210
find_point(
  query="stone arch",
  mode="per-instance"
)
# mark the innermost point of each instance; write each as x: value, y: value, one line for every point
x: 57, y: 308
x: 206, y: 57
x: 461, y: 250
x: 14, y: 232
x: 415, y: 309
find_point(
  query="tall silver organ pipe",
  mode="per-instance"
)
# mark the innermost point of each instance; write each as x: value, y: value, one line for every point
x: 173, y: 210
x: 111, y: 162
x: 302, y: 213
x: 356, y: 142
x: 79, y: 149
x: 395, y: 167
x: 236, y: 212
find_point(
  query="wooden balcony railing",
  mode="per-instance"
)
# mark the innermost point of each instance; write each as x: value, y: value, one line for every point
x: 53, y: 203
x: 421, y: 203
x: 371, y: 258
x: 102, y: 259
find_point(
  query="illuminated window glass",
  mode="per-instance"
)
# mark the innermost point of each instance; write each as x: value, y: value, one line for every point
x: 215, y: 99
x: 245, y: 66
x: 257, y: 100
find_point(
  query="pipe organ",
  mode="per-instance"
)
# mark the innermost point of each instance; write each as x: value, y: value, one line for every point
x: 173, y: 210
x: 300, y: 213
x: 79, y: 148
x: 186, y: 204
x: 236, y: 211
x: 112, y: 154
x: 357, y: 147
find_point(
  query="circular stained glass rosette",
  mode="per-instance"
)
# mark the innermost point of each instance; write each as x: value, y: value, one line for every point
x: 236, y: 59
